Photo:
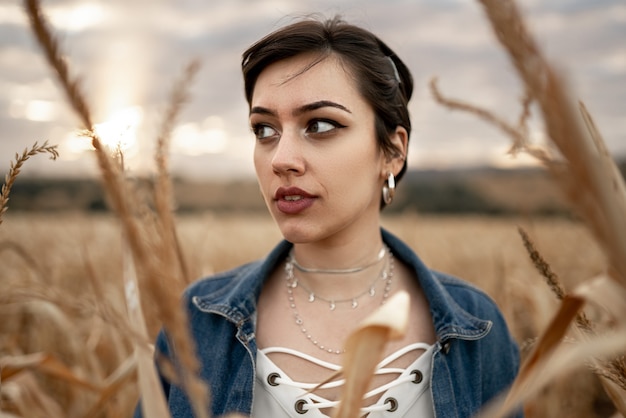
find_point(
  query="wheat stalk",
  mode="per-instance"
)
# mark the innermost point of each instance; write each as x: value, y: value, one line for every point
x: 53, y: 54
x: 364, y: 349
x: 552, y: 279
x: 588, y: 175
x: 613, y: 370
x: 584, y: 169
x: 591, y: 179
x: 170, y: 247
x: 163, y: 189
x: 16, y: 167
x: 153, y: 274
x: 518, y: 134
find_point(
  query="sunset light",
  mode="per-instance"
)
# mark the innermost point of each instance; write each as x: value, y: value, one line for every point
x: 164, y: 163
x: 120, y: 129
x: 127, y: 67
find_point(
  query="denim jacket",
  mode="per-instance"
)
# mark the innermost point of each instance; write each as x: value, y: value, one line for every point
x: 475, y: 357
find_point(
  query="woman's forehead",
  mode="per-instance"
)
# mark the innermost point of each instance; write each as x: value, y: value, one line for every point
x: 305, y: 75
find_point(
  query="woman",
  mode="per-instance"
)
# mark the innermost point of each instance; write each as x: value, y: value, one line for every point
x: 328, y: 108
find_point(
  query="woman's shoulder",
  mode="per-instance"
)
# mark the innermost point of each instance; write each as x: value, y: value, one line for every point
x: 467, y: 295
x: 446, y: 293
x: 455, y: 284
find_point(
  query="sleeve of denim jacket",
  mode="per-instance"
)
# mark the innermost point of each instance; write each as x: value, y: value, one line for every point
x: 501, y: 356
x: 497, y: 353
x: 160, y: 349
x: 503, y: 359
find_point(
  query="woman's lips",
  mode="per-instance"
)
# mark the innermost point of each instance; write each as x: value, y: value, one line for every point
x: 292, y: 200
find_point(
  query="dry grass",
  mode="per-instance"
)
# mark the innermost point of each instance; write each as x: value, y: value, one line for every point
x: 81, y: 303
x: 153, y: 271
x: 61, y: 311
x: 588, y: 176
x: 364, y: 350
x: 16, y: 167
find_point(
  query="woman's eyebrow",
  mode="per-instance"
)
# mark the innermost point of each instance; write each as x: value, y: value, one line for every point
x: 302, y: 109
x: 318, y: 105
x: 262, y: 111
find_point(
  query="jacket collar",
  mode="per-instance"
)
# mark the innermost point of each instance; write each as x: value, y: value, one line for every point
x: 234, y: 294
x: 449, y: 318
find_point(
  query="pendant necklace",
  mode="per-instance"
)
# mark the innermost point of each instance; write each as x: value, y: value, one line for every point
x: 354, y: 301
x: 292, y: 282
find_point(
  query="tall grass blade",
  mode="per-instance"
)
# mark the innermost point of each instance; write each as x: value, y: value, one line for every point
x: 154, y: 274
x: 581, y: 165
x: 550, y: 358
x: 16, y: 167
x: 364, y: 350
x: 153, y: 402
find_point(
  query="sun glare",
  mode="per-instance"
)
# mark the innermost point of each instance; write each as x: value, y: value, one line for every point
x: 119, y: 131
x: 73, y: 146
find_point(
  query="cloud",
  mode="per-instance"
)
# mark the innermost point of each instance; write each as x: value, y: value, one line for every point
x: 129, y: 54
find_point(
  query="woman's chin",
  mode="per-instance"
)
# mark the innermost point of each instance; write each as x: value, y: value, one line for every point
x: 297, y: 233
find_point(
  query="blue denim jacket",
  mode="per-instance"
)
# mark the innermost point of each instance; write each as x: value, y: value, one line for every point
x: 475, y: 357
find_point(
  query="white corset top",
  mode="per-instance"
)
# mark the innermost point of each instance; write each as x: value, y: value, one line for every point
x: 407, y: 395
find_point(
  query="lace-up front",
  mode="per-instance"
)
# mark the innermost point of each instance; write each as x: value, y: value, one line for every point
x: 407, y: 394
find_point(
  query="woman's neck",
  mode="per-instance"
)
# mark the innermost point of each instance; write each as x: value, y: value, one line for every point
x: 340, y: 270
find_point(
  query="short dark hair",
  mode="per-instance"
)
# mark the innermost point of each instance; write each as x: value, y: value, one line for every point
x: 382, y: 78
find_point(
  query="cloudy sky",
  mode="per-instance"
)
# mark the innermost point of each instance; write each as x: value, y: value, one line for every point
x: 129, y: 53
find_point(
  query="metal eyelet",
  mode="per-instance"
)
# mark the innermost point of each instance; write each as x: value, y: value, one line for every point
x: 299, y: 406
x: 418, y: 376
x: 393, y: 404
x: 271, y: 379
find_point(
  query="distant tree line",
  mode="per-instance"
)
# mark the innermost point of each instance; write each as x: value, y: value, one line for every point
x: 442, y: 192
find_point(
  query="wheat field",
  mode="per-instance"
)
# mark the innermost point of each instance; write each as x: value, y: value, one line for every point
x: 73, y: 340
x: 63, y: 293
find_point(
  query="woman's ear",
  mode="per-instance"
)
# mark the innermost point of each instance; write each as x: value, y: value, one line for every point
x: 400, y: 141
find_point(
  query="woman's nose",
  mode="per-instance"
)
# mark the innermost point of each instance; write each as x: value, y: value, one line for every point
x: 288, y: 154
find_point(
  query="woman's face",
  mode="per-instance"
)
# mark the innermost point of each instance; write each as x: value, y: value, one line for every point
x: 318, y: 164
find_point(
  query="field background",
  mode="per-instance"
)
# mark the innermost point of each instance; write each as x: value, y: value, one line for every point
x: 478, y: 190
x: 60, y: 253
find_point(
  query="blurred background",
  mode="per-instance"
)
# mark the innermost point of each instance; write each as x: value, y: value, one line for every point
x: 129, y: 54
x: 63, y: 254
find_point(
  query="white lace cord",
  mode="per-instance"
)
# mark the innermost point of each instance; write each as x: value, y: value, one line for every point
x: 379, y: 406
x: 321, y: 403
x: 304, y: 356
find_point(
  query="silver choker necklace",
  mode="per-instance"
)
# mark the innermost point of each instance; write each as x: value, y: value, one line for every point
x: 292, y: 282
x: 379, y: 257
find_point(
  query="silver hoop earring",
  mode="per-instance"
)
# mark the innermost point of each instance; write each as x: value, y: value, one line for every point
x: 389, y: 189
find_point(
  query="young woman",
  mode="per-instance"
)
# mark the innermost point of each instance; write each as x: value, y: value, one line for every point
x: 328, y: 108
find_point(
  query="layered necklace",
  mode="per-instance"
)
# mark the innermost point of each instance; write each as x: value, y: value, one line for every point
x: 385, y: 275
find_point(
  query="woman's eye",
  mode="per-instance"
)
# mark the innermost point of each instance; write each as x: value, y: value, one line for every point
x: 322, y: 126
x: 263, y: 131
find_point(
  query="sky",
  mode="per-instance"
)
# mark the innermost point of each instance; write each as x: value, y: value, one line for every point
x: 129, y: 53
